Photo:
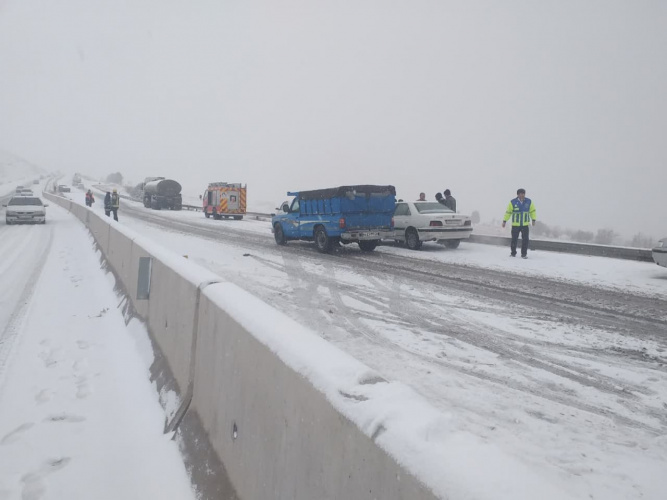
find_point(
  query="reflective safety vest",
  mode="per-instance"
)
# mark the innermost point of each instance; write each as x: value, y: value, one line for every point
x: 115, y: 200
x: 520, y: 212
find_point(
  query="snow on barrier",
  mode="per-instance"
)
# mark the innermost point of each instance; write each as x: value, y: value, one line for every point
x: 251, y: 423
x: 263, y: 408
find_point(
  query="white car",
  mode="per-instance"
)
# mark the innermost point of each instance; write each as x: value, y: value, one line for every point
x: 25, y: 210
x: 26, y: 192
x: 660, y: 253
x: 419, y: 221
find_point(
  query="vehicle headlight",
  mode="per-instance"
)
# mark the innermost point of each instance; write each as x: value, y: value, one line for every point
x: 468, y: 223
x: 11, y: 212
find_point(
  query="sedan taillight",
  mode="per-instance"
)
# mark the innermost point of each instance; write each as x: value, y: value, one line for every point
x: 341, y: 223
x: 436, y: 223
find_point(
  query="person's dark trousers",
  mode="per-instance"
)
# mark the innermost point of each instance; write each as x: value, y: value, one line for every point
x: 107, y: 212
x: 523, y: 230
x: 115, y: 214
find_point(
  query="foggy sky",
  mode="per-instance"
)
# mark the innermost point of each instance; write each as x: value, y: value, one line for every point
x: 567, y: 99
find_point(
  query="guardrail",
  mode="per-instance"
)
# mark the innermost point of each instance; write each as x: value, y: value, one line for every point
x: 639, y: 254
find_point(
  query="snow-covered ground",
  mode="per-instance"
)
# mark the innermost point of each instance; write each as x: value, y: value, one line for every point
x: 79, y: 418
x: 576, y: 396
x: 574, y: 388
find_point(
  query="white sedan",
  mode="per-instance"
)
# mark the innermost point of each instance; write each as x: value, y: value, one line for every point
x: 660, y: 253
x: 25, y: 210
x: 419, y: 221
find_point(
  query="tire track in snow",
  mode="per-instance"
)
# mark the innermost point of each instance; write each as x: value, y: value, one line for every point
x: 22, y: 260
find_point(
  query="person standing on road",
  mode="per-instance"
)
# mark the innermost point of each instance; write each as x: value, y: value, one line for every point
x: 107, y: 204
x: 89, y: 198
x: 115, y: 204
x: 522, y: 212
x: 450, y: 201
x: 439, y: 198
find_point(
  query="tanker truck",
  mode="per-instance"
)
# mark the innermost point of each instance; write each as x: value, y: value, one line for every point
x: 159, y: 193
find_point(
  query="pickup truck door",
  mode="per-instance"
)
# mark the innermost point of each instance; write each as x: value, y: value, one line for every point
x: 291, y: 221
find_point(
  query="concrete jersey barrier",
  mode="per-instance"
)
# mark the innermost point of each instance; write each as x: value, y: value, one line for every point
x: 263, y: 408
x: 251, y: 425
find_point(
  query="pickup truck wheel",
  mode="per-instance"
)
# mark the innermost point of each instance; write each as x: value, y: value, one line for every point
x: 412, y: 239
x: 207, y: 215
x: 452, y: 243
x: 279, y: 234
x: 217, y: 216
x: 238, y: 217
x: 368, y: 246
x: 322, y: 240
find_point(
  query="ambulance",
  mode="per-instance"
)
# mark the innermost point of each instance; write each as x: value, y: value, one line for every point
x: 222, y: 199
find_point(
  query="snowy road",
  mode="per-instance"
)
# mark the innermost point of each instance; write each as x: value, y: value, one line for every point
x: 79, y: 418
x: 564, y: 366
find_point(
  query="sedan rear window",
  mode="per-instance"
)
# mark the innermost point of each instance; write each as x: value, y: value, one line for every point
x: 432, y: 208
x: 25, y: 200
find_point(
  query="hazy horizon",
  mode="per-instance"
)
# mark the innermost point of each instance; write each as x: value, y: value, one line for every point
x: 566, y: 99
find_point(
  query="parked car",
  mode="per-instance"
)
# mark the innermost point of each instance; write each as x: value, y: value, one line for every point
x: 660, y: 253
x: 346, y: 214
x: 418, y: 221
x: 26, y: 192
x: 36, y: 181
x: 64, y: 189
x: 25, y: 210
x: 19, y: 188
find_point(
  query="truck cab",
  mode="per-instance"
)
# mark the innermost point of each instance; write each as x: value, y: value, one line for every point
x: 361, y: 214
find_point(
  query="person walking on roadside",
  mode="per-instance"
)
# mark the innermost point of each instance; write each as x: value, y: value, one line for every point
x: 89, y: 198
x: 422, y: 197
x: 522, y: 212
x: 107, y: 204
x: 115, y: 204
x: 450, y: 201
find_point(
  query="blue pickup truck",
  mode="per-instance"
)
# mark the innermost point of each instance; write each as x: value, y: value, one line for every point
x: 345, y: 214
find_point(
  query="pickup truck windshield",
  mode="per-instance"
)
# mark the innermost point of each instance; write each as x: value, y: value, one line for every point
x: 432, y: 208
x: 25, y: 200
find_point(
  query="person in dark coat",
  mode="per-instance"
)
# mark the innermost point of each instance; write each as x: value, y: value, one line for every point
x: 450, y: 201
x: 107, y: 204
x: 439, y: 198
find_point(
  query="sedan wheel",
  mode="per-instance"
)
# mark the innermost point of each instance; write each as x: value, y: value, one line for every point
x: 452, y: 243
x: 412, y: 239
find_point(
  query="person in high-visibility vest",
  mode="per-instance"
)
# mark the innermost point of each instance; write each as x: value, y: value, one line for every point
x: 522, y: 212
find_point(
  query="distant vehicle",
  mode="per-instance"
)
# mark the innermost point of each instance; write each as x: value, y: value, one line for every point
x: 25, y: 210
x: 420, y: 221
x: 62, y: 188
x: 660, y: 253
x: 36, y: 181
x: 19, y: 188
x: 222, y: 199
x: 159, y: 193
x: 26, y: 192
x: 345, y: 214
